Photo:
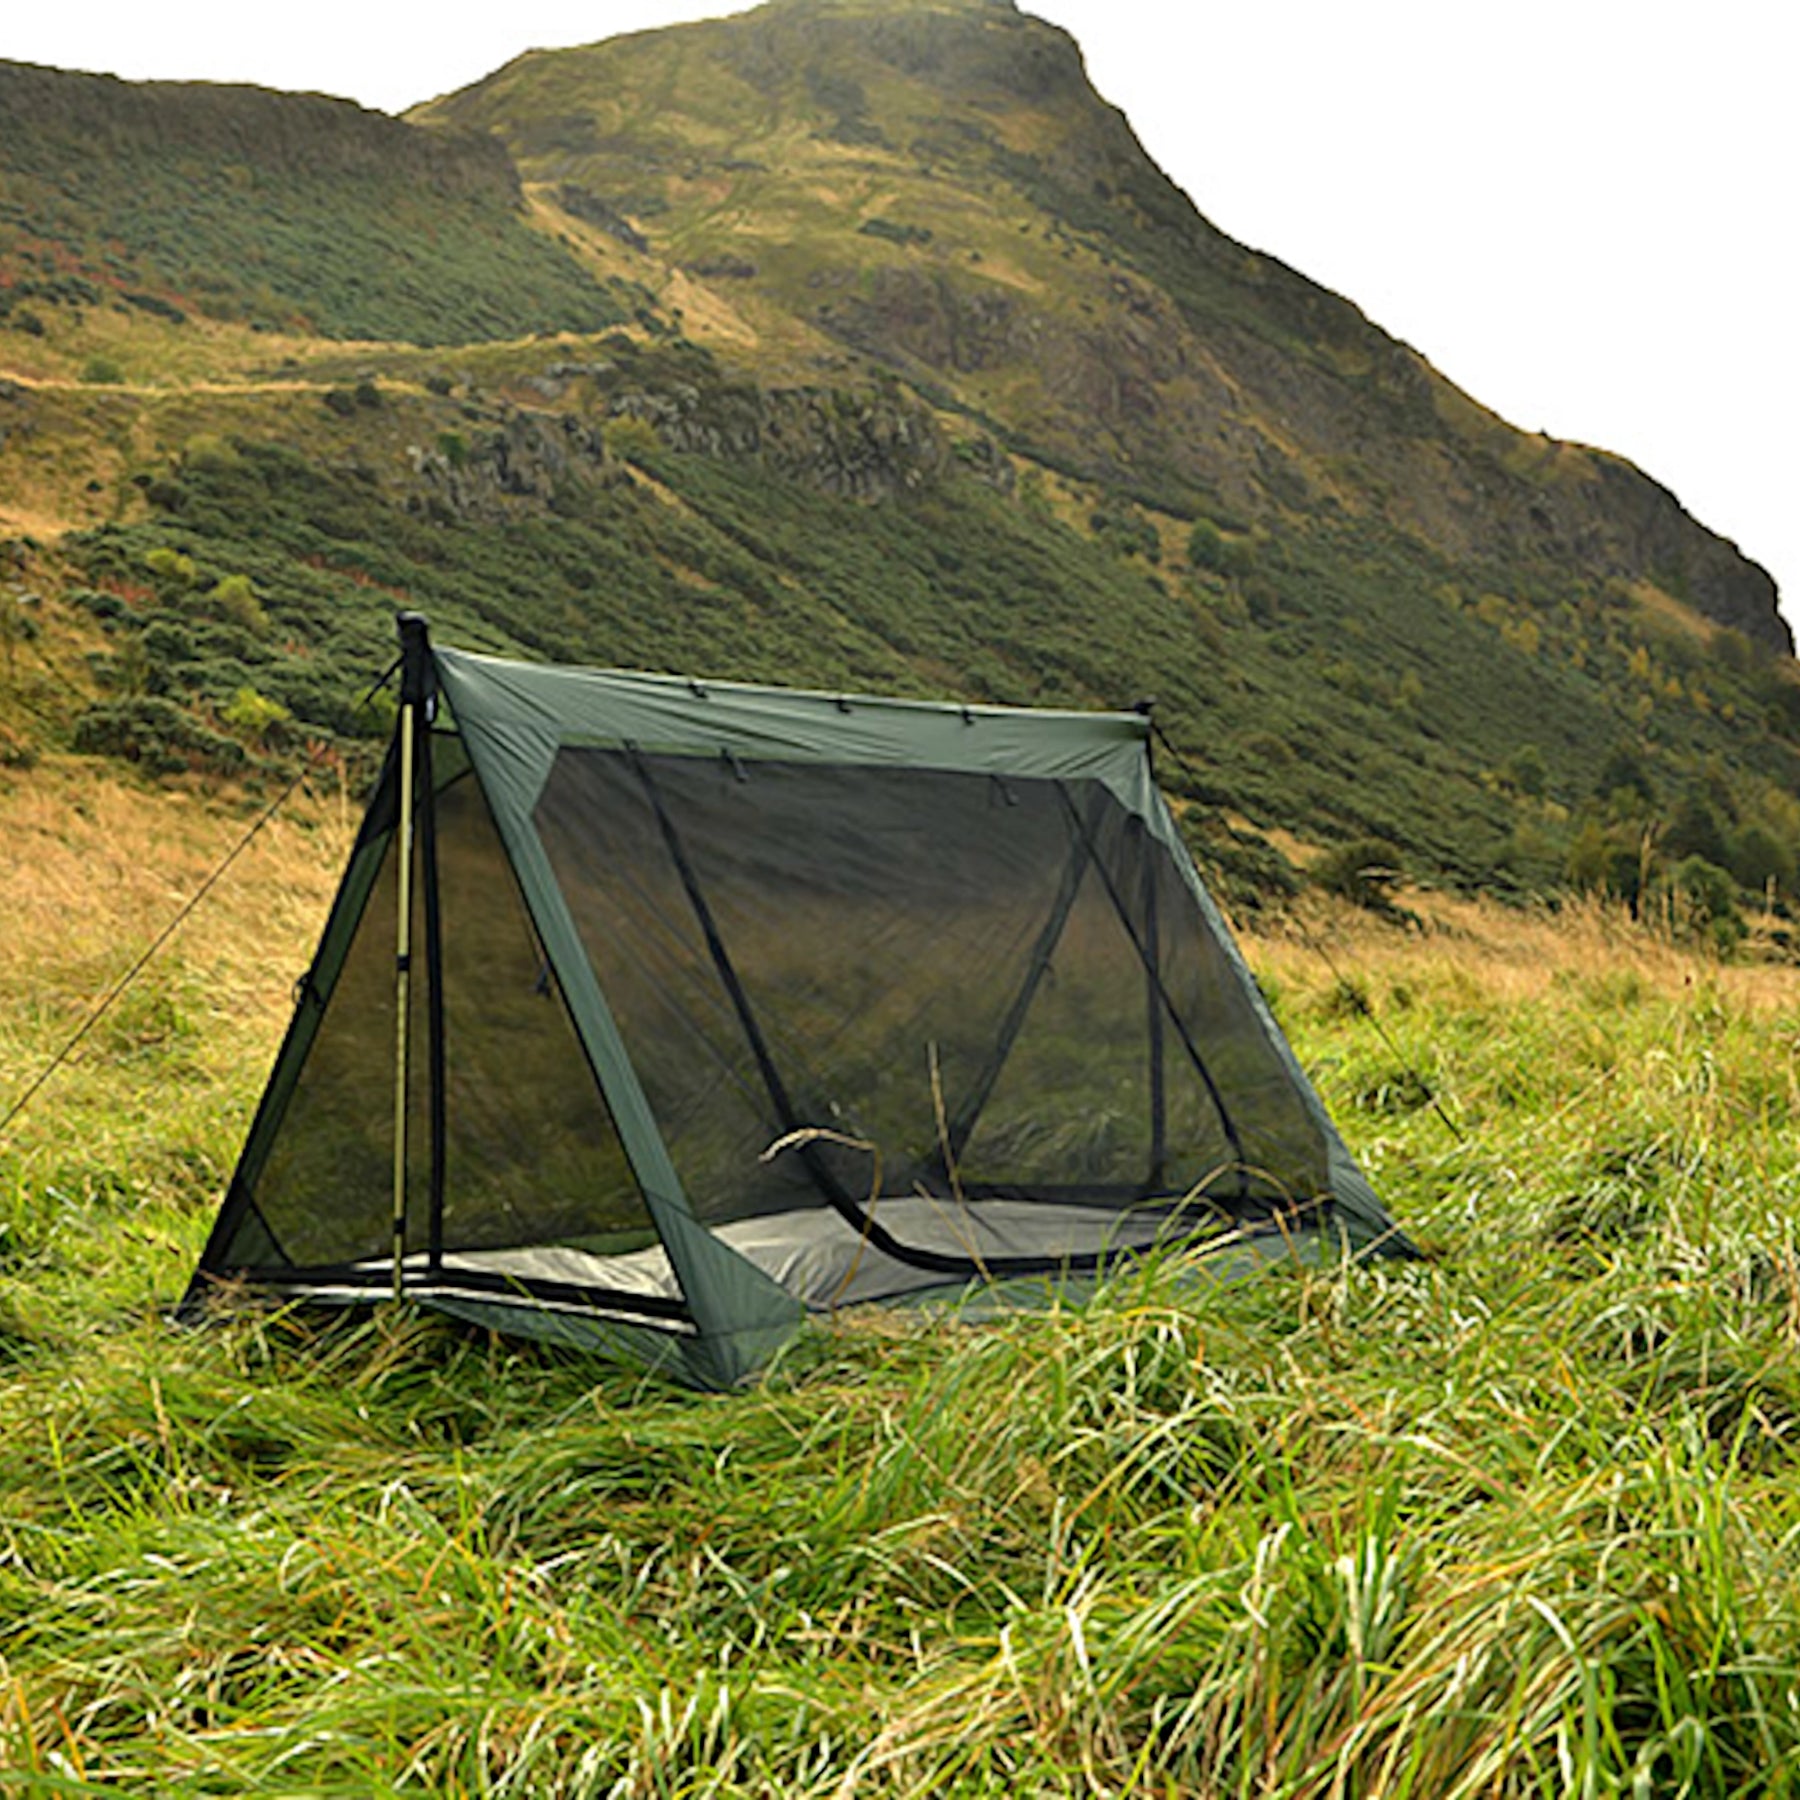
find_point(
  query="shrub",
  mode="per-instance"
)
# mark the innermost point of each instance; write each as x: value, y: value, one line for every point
x: 1757, y: 857
x: 1210, y: 549
x: 1705, y: 903
x: 1364, y: 872
x: 254, y: 716
x: 895, y: 234
x: 171, y: 566
x: 156, y: 734
x: 630, y: 439
x: 233, y: 598
x: 168, y: 644
x: 102, y: 371
x: 103, y: 606
x: 1694, y: 833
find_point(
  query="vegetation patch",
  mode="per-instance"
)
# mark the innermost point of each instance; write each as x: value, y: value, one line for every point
x: 281, y: 211
x: 1181, y: 1537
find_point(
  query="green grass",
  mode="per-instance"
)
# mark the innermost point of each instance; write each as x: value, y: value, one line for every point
x: 1519, y: 1520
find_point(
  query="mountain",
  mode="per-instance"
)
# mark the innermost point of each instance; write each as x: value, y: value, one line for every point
x: 855, y: 342
x: 936, y: 188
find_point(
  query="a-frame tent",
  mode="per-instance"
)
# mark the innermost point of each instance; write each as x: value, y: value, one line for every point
x: 691, y: 1008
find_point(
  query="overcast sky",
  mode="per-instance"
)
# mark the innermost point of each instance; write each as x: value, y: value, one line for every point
x: 1579, y: 210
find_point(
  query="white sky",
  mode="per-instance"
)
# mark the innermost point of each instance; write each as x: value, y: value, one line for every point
x: 1574, y: 208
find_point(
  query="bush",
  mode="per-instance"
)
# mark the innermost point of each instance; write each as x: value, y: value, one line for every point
x: 1210, y: 549
x: 1705, y: 902
x: 234, y: 599
x: 1694, y: 833
x: 1364, y: 872
x: 157, y: 735
x: 630, y: 439
x: 102, y: 371
x: 254, y: 716
x: 895, y: 234
x: 1757, y: 857
x: 103, y: 606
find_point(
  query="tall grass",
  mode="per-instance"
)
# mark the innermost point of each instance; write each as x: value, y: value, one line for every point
x: 1517, y: 1520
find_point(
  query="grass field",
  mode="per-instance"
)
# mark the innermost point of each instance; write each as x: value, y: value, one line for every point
x: 1521, y: 1519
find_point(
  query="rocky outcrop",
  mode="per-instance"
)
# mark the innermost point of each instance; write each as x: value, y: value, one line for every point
x: 853, y: 445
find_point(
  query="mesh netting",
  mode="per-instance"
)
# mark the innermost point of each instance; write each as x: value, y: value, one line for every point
x: 530, y: 1153
x: 998, y: 989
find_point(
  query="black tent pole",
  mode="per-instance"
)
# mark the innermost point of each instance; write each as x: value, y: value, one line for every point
x: 415, y: 667
x: 434, y: 982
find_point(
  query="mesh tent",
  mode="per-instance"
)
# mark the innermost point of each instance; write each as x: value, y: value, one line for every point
x: 654, y: 1015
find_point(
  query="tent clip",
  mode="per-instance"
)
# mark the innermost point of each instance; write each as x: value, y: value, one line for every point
x: 968, y: 718
x: 697, y: 690
x: 738, y: 771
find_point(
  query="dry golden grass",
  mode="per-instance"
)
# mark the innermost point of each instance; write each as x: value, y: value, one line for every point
x: 93, y: 870
x: 1511, y: 954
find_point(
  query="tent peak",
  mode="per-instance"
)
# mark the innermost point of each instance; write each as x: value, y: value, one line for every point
x: 418, y: 679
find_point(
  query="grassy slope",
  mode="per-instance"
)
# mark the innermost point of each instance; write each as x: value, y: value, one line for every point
x: 1317, y: 669
x: 1319, y: 685
x: 283, y: 211
x: 1513, y: 1521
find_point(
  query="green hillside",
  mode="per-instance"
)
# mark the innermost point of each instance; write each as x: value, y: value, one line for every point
x: 887, y: 359
x: 264, y: 570
x: 288, y: 212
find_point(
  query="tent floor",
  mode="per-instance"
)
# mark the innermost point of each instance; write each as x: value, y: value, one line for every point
x: 815, y: 1254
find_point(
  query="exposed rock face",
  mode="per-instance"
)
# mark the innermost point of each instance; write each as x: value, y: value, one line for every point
x: 852, y: 445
